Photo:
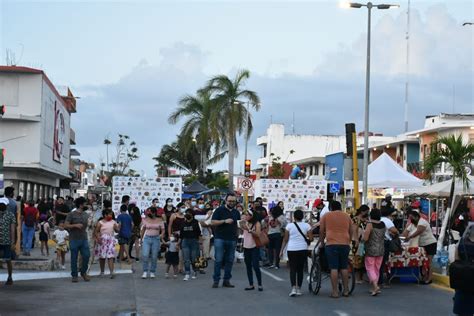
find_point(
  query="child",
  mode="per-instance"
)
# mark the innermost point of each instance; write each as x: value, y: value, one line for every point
x: 105, y: 246
x: 61, y: 236
x: 44, y: 234
x: 172, y: 256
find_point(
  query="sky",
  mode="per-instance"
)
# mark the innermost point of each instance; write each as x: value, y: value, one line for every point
x: 131, y: 61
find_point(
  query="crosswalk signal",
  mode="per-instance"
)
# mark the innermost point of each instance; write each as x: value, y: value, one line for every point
x: 2, y: 110
x: 247, y: 168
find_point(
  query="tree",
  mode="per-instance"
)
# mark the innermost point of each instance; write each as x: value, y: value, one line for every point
x: 107, y: 142
x: 178, y: 155
x: 230, y: 97
x: 126, y: 153
x: 453, y: 151
x: 202, y: 128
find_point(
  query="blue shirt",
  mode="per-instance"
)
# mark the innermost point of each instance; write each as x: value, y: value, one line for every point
x: 125, y: 221
x: 226, y: 231
x: 295, y: 172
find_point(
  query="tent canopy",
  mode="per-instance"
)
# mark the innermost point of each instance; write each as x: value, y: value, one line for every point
x: 442, y: 189
x: 384, y: 172
x: 195, y: 187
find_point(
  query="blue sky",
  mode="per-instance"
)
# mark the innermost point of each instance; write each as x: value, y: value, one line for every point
x: 131, y: 61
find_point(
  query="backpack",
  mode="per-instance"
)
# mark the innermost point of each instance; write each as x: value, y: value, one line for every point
x: 30, y: 219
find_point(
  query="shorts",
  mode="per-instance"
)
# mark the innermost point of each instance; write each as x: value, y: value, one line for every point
x: 338, y: 256
x: 6, y: 252
x: 172, y: 258
x: 431, y: 249
x: 123, y: 240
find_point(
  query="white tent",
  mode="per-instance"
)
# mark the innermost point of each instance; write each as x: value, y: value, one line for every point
x: 442, y: 189
x: 384, y: 172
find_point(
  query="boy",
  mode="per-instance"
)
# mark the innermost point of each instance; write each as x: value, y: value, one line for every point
x: 61, y: 236
x: 125, y: 232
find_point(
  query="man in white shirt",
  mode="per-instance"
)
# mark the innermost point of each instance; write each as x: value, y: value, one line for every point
x: 391, y: 231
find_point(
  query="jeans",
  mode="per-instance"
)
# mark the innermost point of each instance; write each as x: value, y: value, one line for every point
x: 81, y: 246
x: 190, y: 253
x: 297, y: 260
x: 252, y: 257
x: 274, y: 248
x: 28, y: 234
x: 151, y: 244
x: 224, y: 252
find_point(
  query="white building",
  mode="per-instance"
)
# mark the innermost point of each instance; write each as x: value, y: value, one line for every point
x: 309, y: 150
x: 35, y: 132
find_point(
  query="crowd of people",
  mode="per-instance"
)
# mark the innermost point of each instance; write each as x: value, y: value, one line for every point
x: 184, y: 235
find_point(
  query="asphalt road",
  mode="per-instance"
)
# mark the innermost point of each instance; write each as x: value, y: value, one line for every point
x: 128, y: 293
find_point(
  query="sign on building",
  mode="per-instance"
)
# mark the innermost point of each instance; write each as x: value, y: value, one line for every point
x: 59, y: 132
x: 294, y: 193
x: 143, y: 190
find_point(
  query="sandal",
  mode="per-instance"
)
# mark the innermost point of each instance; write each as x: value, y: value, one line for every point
x: 333, y: 296
x: 374, y: 293
x: 345, y: 294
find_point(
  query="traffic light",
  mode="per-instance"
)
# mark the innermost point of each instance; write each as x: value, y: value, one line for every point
x: 2, y: 156
x: 2, y: 110
x: 350, y: 129
x: 247, y: 168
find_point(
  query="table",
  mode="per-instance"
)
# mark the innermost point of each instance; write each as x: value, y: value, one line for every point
x: 406, y: 262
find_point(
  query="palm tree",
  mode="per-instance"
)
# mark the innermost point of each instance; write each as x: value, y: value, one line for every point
x: 231, y: 97
x: 107, y: 142
x: 453, y: 151
x: 202, y: 126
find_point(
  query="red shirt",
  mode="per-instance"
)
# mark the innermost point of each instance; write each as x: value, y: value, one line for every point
x: 30, y: 212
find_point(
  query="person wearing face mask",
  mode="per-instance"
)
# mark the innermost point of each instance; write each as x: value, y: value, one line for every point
x: 225, y: 220
x: 152, y: 233
x: 174, y: 226
x: 200, y: 208
x: 190, y: 235
x: 76, y: 223
x: 105, y: 241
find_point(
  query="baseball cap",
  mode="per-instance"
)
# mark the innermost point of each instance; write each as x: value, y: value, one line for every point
x: 318, y: 202
x: 4, y: 200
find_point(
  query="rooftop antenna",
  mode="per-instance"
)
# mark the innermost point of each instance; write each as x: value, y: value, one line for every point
x: 408, y: 67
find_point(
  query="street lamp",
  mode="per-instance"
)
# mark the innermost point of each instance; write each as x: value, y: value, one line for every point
x: 369, y: 6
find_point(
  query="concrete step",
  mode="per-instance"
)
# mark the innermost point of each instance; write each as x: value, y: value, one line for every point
x: 32, y: 264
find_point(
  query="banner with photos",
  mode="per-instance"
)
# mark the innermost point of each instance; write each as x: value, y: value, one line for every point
x: 294, y: 193
x: 143, y: 190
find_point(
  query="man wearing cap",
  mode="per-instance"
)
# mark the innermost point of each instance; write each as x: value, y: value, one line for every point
x: 7, y: 236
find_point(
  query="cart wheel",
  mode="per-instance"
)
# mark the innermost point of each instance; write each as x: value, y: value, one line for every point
x: 315, y: 278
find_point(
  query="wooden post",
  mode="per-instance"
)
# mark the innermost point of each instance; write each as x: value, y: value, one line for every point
x: 355, y: 172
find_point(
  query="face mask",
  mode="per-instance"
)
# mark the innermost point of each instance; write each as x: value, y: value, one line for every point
x: 193, y: 203
x: 108, y: 218
x: 201, y: 206
x: 182, y: 210
x: 171, y: 239
x: 169, y: 204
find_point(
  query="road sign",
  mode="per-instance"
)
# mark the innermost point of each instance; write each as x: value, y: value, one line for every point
x: 334, y: 187
x: 246, y: 184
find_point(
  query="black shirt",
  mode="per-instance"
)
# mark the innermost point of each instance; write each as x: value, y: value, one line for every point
x: 226, y: 231
x: 63, y: 208
x: 190, y: 230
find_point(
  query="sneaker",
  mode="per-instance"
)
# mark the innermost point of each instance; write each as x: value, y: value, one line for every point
x: 293, y: 293
x: 215, y: 285
x: 75, y: 280
x: 9, y: 281
x: 227, y: 284
x: 272, y: 266
x: 101, y: 274
x: 276, y: 267
x: 63, y: 267
x: 86, y: 277
x: 194, y: 277
x: 186, y: 277
x: 112, y: 275
x: 144, y: 275
x: 298, y: 292
x: 167, y: 276
x: 152, y: 275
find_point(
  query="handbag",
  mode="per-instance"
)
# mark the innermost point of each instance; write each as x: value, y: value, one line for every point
x: 304, y: 236
x: 395, y: 245
x: 260, y: 240
x: 461, y: 274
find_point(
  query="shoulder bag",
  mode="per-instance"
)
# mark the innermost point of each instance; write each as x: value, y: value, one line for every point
x: 304, y: 236
x: 461, y: 273
x: 260, y: 240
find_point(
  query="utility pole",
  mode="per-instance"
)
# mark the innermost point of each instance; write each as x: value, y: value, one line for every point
x: 408, y: 67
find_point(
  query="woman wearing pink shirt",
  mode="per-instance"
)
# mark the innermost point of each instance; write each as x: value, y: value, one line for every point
x: 152, y: 232
x: 251, y: 226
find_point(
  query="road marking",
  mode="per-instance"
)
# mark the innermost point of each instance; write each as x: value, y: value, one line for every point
x: 271, y: 275
x: 341, y: 313
x: 24, y: 276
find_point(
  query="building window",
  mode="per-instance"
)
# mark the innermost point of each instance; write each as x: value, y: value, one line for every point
x: 324, y: 169
x: 265, y: 150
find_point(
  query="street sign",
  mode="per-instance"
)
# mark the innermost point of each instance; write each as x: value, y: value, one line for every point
x: 246, y: 184
x: 334, y: 187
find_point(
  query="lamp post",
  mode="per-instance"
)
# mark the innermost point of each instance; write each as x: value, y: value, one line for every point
x: 369, y: 7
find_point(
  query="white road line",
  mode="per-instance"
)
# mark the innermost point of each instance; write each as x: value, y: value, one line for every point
x: 271, y: 275
x: 341, y: 313
x: 23, y: 276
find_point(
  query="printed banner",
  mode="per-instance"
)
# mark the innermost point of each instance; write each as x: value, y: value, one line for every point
x: 294, y: 193
x: 143, y: 190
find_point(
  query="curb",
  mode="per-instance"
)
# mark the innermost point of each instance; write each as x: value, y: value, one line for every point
x: 441, y: 281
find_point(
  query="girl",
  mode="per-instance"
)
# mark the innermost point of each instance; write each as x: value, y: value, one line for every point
x: 105, y: 241
x: 44, y: 234
x: 297, y: 235
x: 152, y: 233
x: 174, y: 226
x: 190, y: 235
x: 135, y: 239
x: 251, y: 227
x: 276, y: 224
x: 61, y: 237
x: 374, y: 249
x: 172, y: 256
